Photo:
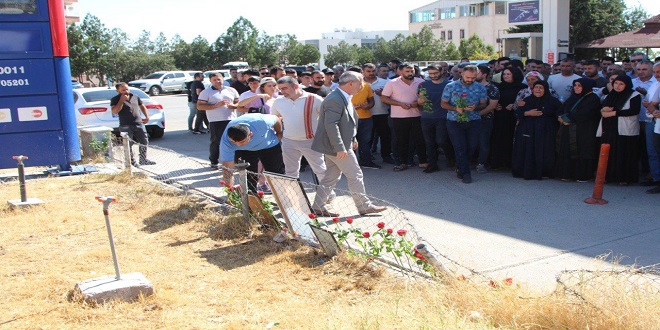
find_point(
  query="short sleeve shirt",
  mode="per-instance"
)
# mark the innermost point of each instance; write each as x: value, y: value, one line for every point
x: 213, y: 96
x: 434, y: 94
x: 263, y: 135
x: 399, y: 91
x: 493, y: 94
x: 474, y: 93
x: 194, y: 86
x: 365, y: 93
x: 130, y: 111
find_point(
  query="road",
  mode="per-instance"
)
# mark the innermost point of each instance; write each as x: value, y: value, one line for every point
x: 499, y: 226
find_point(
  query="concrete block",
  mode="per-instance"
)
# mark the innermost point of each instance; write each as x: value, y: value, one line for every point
x: 91, y: 133
x: 28, y: 202
x: 102, y: 289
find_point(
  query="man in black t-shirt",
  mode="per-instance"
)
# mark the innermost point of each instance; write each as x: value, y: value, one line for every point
x: 128, y: 107
x: 318, y: 87
x: 197, y: 87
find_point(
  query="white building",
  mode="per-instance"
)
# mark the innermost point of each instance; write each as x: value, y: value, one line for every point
x: 357, y: 37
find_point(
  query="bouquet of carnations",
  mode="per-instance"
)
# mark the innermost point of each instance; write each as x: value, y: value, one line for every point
x: 462, y: 102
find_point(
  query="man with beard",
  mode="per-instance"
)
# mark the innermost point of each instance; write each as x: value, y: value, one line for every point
x: 464, y: 99
x: 605, y: 62
x: 648, y: 156
x: 563, y: 83
x: 318, y: 86
x: 591, y: 71
x: 433, y: 117
x: 401, y: 94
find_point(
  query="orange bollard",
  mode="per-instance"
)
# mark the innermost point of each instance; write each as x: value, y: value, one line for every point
x: 597, y: 195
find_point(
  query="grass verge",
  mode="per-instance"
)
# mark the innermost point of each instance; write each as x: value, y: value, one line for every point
x: 209, y: 274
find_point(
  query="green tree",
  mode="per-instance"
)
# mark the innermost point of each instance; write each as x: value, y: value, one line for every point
x: 200, y: 56
x: 341, y: 54
x: 475, y: 48
x: 96, y: 40
x: 363, y: 55
x: 77, y: 53
x: 304, y: 54
x: 161, y: 45
x: 268, y: 51
x: 382, y: 51
x: 144, y: 44
x: 428, y: 47
x: 180, y: 51
x: 601, y: 19
x: 238, y: 43
x: 451, y: 52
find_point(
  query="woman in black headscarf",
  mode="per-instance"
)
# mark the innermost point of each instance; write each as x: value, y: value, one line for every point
x: 620, y: 128
x: 577, y: 144
x: 534, y: 144
x: 504, y: 119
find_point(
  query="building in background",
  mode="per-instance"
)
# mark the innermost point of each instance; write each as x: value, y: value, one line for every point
x: 459, y: 19
x: 69, y: 12
x: 357, y: 37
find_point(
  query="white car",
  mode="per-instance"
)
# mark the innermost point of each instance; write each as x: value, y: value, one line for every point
x: 92, y: 106
x: 162, y: 81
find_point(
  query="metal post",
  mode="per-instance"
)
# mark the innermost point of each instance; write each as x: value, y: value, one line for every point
x: 241, y: 167
x: 21, y: 176
x: 106, y: 200
x: 127, y: 152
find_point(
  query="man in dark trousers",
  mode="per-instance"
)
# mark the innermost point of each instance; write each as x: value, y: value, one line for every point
x: 128, y: 106
x: 196, y: 88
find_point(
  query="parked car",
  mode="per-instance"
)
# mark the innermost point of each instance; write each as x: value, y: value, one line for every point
x: 92, y: 107
x: 162, y: 81
x: 76, y: 84
x: 235, y: 65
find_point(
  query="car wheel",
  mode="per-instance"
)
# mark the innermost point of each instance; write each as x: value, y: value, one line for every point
x: 154, y: 91
x: 155, y: 132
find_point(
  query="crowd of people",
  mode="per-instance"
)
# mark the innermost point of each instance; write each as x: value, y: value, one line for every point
x: 534, y: 119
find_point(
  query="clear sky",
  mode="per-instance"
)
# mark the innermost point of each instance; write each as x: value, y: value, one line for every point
x: 305, y: 19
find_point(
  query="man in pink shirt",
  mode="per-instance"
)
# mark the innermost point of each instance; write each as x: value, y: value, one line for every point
x: 401, y: 94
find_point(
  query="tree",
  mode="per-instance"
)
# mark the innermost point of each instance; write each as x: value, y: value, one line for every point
x: 200, y: 56
x: 268, y: 51
x: 77, y: 54
x: 451, y: 52
x: 303, y: 54
x: 96, y: 41
x: 428, y: 47
x: 161, y: 46
x: 382, y: 51
x: 601, y: 19
x: 238, y: 43
x: 144, y: 43
x: 342, y: 54
x: 475, y: 48
x: 180, y: 51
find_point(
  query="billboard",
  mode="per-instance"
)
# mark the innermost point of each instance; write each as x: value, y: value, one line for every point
x: 525, y: 12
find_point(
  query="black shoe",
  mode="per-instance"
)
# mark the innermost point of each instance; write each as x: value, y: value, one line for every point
x: 147, y: 162
x: 431, y: 169
x: 458, y: 174
x: 388, y: 159
x: 214, y: 166
x: 467, y: 178
x: 649, y: 183
x: 371, y: 165
x: 134, y: 163
x: 655, y: 190
x: 197, y: 132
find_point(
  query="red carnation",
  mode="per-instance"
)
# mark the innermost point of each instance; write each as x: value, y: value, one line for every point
x: 349, y: 220
x: 230, y: 188
x: 223, y: 182
x: 401, y: 232
x: 464, y: 95
x: 390, y: 231
x: 508, y: 281
x: 381, y: 225
x: 418, y: 255
x: 260, y: 193
x: 237, y: 187
x: 335, y: 220
x: 366, y: 234
x: 312, y: 216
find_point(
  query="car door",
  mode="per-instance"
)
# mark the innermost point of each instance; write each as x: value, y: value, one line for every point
x: 168, y: 82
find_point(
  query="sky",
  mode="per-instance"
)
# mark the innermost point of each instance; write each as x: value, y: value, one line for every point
x: 211, y: 18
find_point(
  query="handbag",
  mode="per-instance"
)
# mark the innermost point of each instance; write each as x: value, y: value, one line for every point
x: 262, y: 109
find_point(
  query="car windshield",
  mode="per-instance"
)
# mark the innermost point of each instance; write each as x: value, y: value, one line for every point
x: 154, y: 76
x: 107, y: 94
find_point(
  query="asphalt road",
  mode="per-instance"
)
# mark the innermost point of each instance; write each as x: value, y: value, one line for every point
x: 499, y: 226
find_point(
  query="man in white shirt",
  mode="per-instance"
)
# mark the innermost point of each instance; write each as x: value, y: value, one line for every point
x: 563, y: 83
x: 299, y: 111
x: 644, y: 84
x: 220, y: 103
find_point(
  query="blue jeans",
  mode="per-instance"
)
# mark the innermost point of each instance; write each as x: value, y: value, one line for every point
x: 192, y: 106
x: 654, y: 162
x: 364, y: 133
x: 465, y: 139
x: 435, y: 136
x: 484, y: 139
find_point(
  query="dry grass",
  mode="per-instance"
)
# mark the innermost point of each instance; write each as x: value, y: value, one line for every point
x: 209, y: 274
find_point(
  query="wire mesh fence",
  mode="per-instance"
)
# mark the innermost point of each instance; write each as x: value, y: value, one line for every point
x: 389, y: 236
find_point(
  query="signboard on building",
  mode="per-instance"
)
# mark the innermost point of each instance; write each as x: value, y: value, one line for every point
x: 525, y: 12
